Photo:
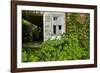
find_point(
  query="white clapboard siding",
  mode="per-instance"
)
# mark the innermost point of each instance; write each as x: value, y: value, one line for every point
x: 47, y: 25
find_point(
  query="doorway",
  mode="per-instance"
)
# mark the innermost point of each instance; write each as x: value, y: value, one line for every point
x: 32, y: 29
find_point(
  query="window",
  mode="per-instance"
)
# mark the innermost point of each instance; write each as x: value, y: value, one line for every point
x: 59, y: 27
x: 54, y: 18
x: 54, y: 29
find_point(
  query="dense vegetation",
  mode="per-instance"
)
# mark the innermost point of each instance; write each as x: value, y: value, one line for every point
x: 73, y: 45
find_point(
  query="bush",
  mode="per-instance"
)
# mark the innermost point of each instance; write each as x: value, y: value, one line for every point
x: 25, y: 31
x: 66, y: 48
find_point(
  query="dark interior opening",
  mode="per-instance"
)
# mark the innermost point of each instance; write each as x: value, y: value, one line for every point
x: 54, y: 29
x: 60, y: 27
x: 32, y: 27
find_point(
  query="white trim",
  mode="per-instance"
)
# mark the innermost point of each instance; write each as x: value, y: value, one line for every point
x: 53, y: 63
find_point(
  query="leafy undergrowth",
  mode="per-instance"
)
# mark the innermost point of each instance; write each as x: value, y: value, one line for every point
x: 66, y: 48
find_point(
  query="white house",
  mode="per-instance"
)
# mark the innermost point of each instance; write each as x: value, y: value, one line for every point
x: 53, y: 24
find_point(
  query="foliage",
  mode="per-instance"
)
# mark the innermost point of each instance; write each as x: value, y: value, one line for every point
x: 29, y: 31
x: 25, y: 31
x: 73, y: 45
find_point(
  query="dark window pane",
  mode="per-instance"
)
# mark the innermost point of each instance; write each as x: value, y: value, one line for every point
x: 54, y: 29
x: 54, y: 18
x: 60, y: 27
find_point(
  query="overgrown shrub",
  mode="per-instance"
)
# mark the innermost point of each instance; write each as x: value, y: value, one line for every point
x: 25, y: 31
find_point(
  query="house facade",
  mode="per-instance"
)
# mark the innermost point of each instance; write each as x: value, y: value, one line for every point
x: 53, y: 24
